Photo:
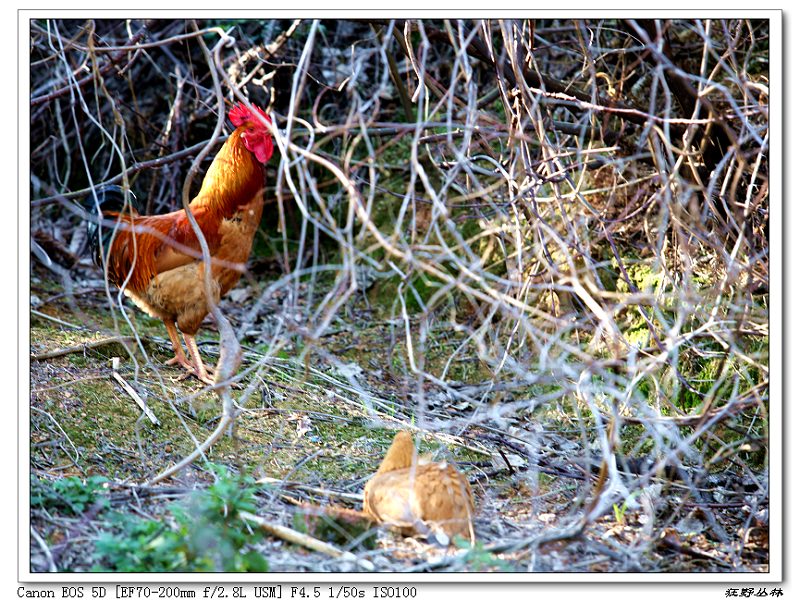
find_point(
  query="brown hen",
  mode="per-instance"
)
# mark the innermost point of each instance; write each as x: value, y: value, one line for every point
x: 415, y: 497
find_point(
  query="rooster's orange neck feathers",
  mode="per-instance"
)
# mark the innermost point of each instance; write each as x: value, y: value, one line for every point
x: 233, y: 179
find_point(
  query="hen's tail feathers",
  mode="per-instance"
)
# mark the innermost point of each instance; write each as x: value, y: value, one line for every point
x: 109, y: 198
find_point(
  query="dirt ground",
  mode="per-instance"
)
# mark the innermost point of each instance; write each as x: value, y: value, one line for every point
x: 313, y: 423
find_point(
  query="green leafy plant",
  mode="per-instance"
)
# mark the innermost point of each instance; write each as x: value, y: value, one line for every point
x: 205, y: 533
x: 140, y: 545
x: 70, y: 496
x: 619, y: 513
x: 480, y: 559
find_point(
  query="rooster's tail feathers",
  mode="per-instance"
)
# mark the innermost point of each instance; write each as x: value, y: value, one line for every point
x: 108, y: 198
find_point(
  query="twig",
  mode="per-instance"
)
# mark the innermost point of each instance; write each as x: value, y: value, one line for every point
x: 669, y: 540
x: 398, y: 82
x: 269, y: 51
x: 66, y: 436
x: 51, y: 564
x: 81, y: 347
x: 199, y: 450
x: 55, y: 319
x: 311, y: 489
x: 114, y: 59
x: 304, y: 540
x: 135, y: 396
x: 135, y: 168
x: 535, y: 541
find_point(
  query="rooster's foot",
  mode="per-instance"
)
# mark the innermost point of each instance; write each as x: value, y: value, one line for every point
x: 190, y: 372
x: 188, y: 366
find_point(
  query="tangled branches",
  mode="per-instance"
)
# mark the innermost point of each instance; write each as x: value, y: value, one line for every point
x: 558, y: 226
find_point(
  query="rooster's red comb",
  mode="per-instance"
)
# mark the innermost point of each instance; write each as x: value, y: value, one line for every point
x: 240, y: 113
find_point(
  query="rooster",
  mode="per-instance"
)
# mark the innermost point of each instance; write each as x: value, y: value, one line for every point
x: 156, y: 260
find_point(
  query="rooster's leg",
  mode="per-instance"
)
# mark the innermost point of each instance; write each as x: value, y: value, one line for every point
x: 180, y: 356
x: 200, y: 369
